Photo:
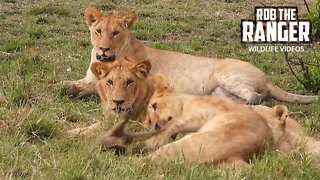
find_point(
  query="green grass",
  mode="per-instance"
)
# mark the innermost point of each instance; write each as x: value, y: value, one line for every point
x: 49, y: 9
x: 40, y: 41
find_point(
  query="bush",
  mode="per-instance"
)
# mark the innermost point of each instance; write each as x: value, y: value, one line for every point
x: 310, y: 76
x: 314, y: 17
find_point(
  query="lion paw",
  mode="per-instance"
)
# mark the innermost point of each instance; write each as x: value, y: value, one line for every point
x: 156, y: 142
x: 79, y: 132
x: 73, y: 91
x: 74, y: 88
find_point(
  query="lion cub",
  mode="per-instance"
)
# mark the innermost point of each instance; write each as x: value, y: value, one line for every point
x: 221, y: 130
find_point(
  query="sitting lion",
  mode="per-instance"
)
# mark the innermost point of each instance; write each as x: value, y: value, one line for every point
x: 112, y: 39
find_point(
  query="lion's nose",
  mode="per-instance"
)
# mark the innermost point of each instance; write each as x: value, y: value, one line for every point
x: 118, y: 102
x: 157, y: 127
x: 104, y: 49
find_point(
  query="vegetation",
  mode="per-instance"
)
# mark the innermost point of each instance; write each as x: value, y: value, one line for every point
x: 310, y: 75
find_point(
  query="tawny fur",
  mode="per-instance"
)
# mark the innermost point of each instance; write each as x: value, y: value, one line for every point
x: 217, y: 132
x: 112, y: 39
x: 221, y: 130
x: 120, y: 81
x: 118, y: 139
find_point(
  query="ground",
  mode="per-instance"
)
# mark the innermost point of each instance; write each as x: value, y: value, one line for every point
x: 45, y: 42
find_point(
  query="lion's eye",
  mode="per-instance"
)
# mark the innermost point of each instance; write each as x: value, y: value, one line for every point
x: 154, y: 106
x: 98, y: 31
x: 110, y: 82
x: 129, y: 82
x: 115, y: 33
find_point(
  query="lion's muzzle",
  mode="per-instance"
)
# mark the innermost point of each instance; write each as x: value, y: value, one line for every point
x: 104, y: 58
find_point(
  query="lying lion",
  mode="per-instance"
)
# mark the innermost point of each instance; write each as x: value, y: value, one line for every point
x: 124, y: 89
x: 132, y: 85
x: 183, y: 113
x: 232, y: 137
x: 229, y: 138
x: 112, y: 39
x: 179, y: 113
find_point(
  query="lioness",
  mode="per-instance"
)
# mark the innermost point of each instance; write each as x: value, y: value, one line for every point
x: 112, y: 39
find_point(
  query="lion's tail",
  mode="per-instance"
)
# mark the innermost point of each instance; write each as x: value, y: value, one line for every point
x: 278, y: 93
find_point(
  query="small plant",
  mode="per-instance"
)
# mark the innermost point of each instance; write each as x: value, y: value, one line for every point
x: 20, y: 94
x: 37, y: 33
x: 16, y: 45
x: 38, y: 126
x: 310, y: 76
x: 42, y: 20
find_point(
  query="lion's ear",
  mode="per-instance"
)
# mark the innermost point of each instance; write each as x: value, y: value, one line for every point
x: 160, y: 85
x: 282, y: 113
x: 92, y: 15
x: 130, y: 19
x: 142, y: 69
x: 99, y: 69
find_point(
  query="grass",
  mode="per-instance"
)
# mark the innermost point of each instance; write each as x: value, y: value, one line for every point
x: 50, y: 9
x: 40, y: 41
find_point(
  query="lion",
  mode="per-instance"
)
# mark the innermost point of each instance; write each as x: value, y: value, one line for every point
x: 176, y: 113
x: 222, y: 141
x: 118, y: 140
x: 112, y: 39
x: 232, y: 137
x: 124, y: 90
x: 163, y: 88
x: 123, y: 85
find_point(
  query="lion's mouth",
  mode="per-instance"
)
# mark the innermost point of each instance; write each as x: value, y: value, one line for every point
x: 119, y: 110
x: 104, y: 58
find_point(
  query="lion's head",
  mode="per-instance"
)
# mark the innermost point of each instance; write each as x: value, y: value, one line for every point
x: 277, y: 121
x: 163, y: 105
x: 122, y: 84
x: 110, y: 33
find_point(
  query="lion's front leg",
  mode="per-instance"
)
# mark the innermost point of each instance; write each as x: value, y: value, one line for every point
x: 182, y: 124
x: 86, y: 85
x: 86, y: 131
x: 74, y: 88
x: 158, y: 140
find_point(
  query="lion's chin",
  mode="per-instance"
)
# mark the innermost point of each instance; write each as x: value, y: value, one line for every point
x: 104, y: 58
